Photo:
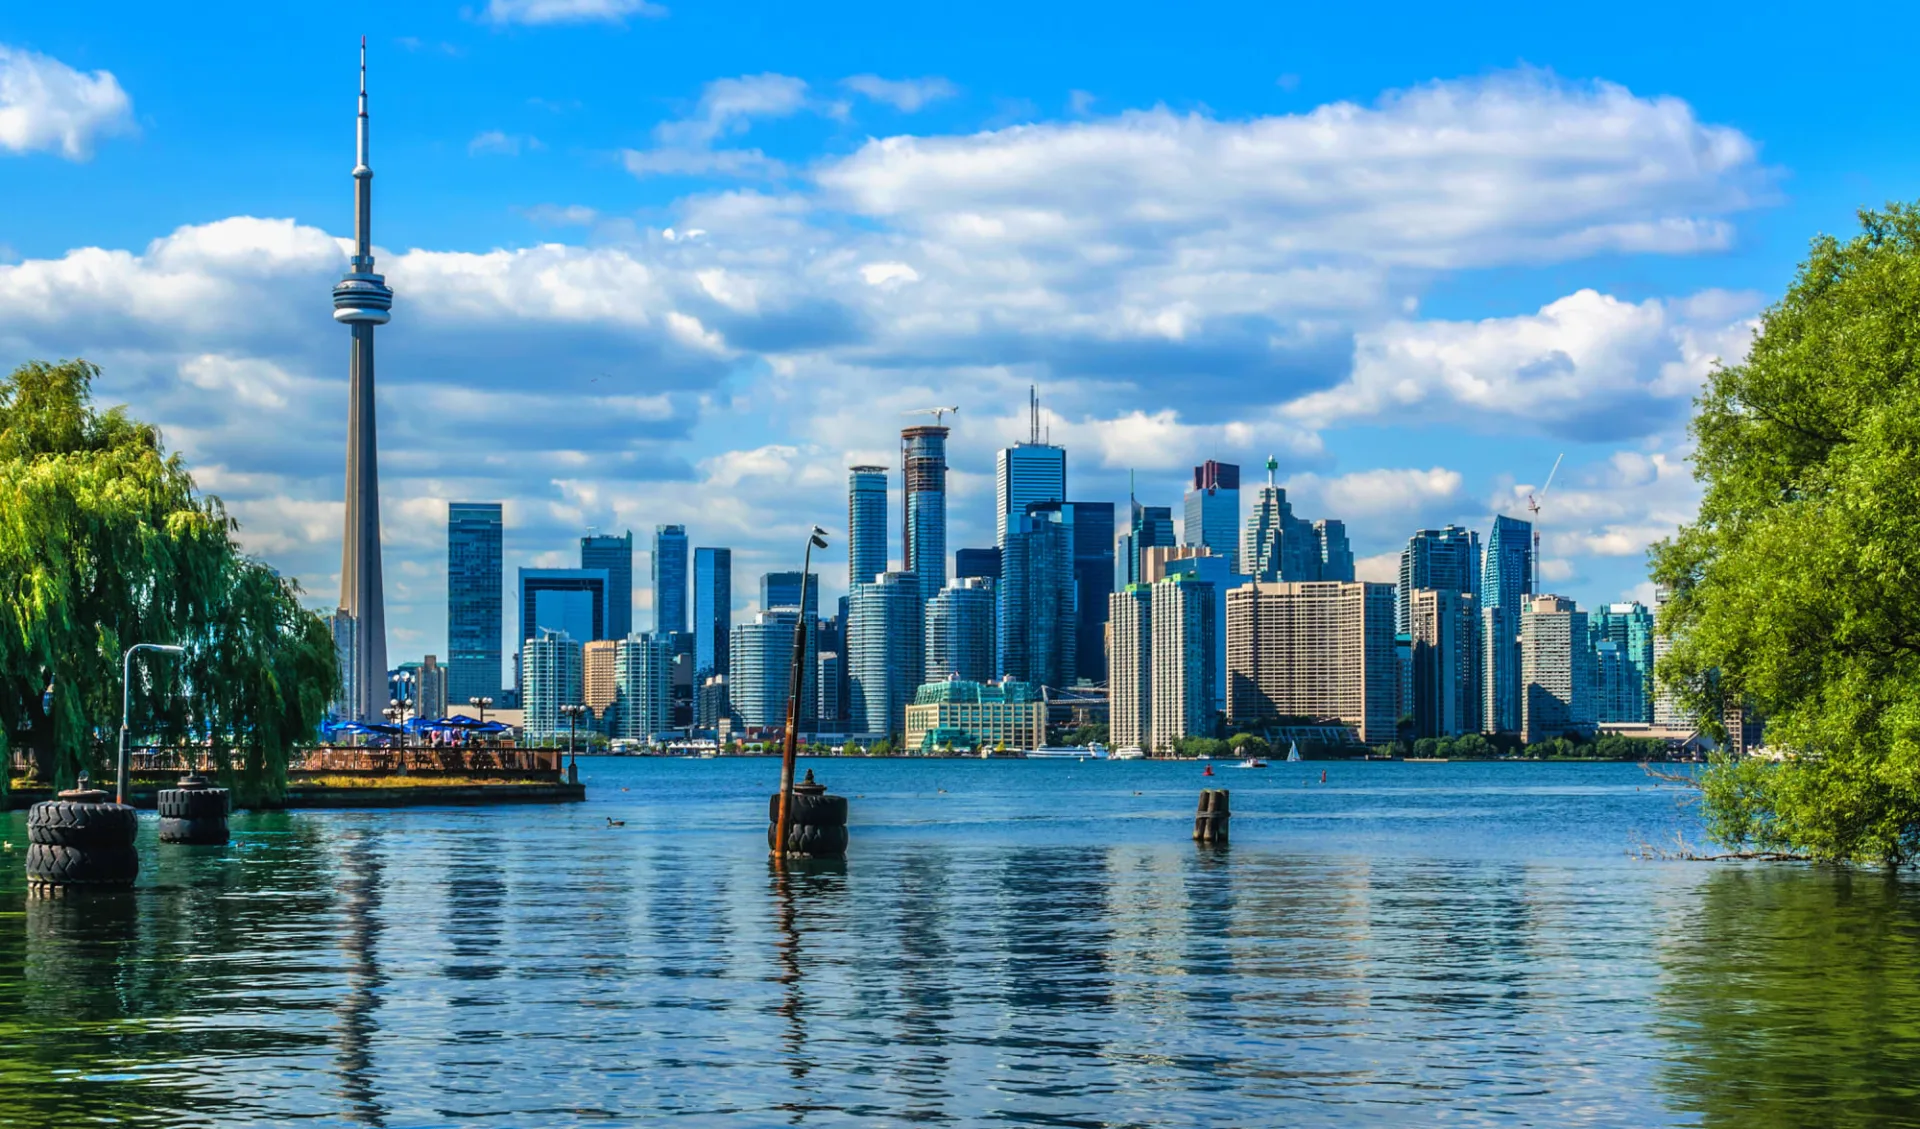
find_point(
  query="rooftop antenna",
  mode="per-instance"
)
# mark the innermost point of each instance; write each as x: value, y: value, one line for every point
x: 1273, y: 464
x: 1533, y: 506
x: 1033, y: 413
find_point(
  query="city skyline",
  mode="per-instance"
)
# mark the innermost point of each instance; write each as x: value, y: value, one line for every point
x: 668, y: 401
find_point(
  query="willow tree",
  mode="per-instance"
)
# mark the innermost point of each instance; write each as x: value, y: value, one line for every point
x: 1797, y: 590
x: 104, y: 542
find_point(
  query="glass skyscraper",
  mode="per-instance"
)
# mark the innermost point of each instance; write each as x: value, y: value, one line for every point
x: 762, y: 665
x: 887, y: 654
x: 923, y: 459
x: 475, y: 581
x: 615, y: 556
x: 983, y: 563
x: 1444, y: 559
x: 1330, y: 543
x: 1213, y: 511
x: 1151, y: 527
x: 960, y: 632
x: 1092, y: 584
x: 1506, y: 578
x: 670, y: 579
x: 1629, y: 628
x: 1039, y: 626
x: 782, y: 590
x: 573, y: 600
x: 712, y: 610
x: 1023, y: 474
x: 866, y: 523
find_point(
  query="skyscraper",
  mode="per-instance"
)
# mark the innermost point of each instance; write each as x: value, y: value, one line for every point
x: 887, y: 653
x: 362, y: 300
x: 1330, y: 545
x: 1038, y: 621
x: 1183, y: 660
x: 712, y: 610
x: 1319, y: 649
x: 762, y: 664
x: 1505, y: 579
x: 1130, y: 667
x: 782, y: 590
x: 1445, y: 636
x: 551, y: 678
x: 642, y: 676
x: 474, y: 601
x: 1629, y: 627
x: 573, y: 600
x: 1025, y: 473
x: 1213, y: 511
x: 1669, y: 711
x: 597, y: 686
x: 923, y: 461
x: 1215, y: 572
x: 1092, y: 584
x: 615, y: 555
x: 1556, y: 665
x: 1277, y: 545
x: 670, y: 579
x: 866, y: 523
x: 1149, y: 527
x: 960, y: 632
x: 1447, y: 559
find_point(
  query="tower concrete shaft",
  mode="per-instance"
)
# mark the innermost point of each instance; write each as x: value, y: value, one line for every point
x: 362, y: 300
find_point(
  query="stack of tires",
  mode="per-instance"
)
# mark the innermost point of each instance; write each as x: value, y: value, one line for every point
x: 80, y: 840
x: 816, y: 822
x: 1210, y: 825
x: 193, y: 812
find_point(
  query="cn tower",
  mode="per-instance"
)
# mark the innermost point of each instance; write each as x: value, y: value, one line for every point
x: 362, y: 299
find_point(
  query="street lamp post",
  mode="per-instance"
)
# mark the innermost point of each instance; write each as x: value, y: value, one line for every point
x: 481, y: 704
x: 126, y: 709
x: 573, y: 713
x: 815, y: 540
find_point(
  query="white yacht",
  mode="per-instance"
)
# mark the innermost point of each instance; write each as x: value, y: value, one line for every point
x: 1093, y: 752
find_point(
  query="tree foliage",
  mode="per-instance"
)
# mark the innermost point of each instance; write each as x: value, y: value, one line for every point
x: 1794, y: 592
x: 104, y: 542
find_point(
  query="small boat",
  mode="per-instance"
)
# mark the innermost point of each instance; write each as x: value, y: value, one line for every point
x: 1251, y: 762
x: 1130, y: 753
x: 1293, y: 752
x: 1093, y: 752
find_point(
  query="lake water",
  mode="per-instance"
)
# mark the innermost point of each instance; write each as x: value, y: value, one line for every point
x: 1011, y: 943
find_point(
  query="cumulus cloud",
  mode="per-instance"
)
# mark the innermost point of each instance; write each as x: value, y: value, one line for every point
x: 908, y: 95
x: 727, y: 107
x: 47, y: 105
x: 569, y: 11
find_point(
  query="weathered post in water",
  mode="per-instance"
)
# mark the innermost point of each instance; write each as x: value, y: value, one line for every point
x: 1210, y: 824
x: 783, y: 803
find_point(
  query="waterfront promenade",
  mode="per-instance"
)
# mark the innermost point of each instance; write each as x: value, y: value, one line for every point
x: 1023, y: 943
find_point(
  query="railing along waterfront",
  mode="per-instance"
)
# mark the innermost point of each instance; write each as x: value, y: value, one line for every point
x: 360, y: 760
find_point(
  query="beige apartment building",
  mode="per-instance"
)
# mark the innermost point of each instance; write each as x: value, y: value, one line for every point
x: 1322, y: 650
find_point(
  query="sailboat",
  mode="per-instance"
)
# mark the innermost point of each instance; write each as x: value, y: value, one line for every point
x: 1293, y: 751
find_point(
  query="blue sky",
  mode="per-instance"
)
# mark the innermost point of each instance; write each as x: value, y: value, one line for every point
x: 687, y: 262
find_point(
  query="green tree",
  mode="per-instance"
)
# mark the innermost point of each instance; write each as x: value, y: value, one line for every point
x: 1248, y: 745
x: 1793, y: 591
x: 104, y: 542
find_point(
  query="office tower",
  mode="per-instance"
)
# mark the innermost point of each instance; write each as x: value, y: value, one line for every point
x: 1556, y: 664
x: 866, y: 523
x: 712, y: 610
x: 573, y: 600
x: 887, y: 654
x: 642, y: 678
x: 1092, y: 584
x: 1276, y: 544
x: 613, y: 556
x: 430, y: 691
x: 1445, y: 660
x: 1447, y: 558
x: 362, y: 300
x: 975, y: 715
x: 1182, y: 610
x: 712, y: 704
x: 960, y: 632
x: 1038, y: 626
x: 551, y: 678
x: 762, y: 664
x: 829, y: 680
x: 599, y: 690
x: 1149, y: 527
x: 782, y: 590
x: 1155, y: 562
x: 1613, y: 690
x: 669, y: 578
x: 474, y: 588
x: 1321, y: 649
x: 923, y: 462
x: 1330, y: 545
x: 983, y: 563
x: 1025, y: 473
x: 1213, y: 511
x: 345, y: 640
x: 1668, y: 710
x: 1215, y: 572
x: 1629, y: 626
x: 1130, y: 667
x: 1505, y: 580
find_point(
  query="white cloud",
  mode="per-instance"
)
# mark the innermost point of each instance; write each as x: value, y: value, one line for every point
x: 1374, y: 493
x: 498, y: 143
x: 727, y: 108
x: 45, y: 104
x: 570, y: 11
x: 908, y: 95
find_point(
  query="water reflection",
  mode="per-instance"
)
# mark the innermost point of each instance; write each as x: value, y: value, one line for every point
x: 357, y: 1011
x: 1791, y: 997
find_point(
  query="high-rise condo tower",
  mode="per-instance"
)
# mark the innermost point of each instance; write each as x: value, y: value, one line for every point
x: 362, y: 300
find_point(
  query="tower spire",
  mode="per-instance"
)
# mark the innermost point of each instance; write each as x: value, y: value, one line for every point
x: 1273, y: 464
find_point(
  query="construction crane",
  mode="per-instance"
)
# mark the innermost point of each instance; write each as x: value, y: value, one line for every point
x: 936, y: 413
x: 1533, y: 507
